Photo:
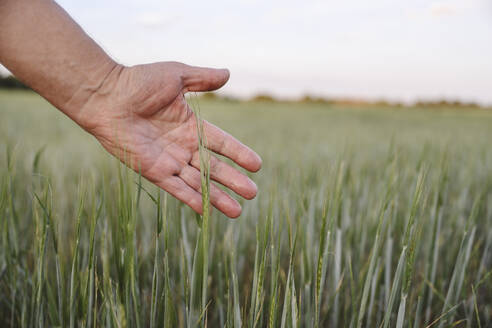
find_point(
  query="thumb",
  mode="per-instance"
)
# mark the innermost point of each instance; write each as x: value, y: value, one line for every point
x: 204, y: 79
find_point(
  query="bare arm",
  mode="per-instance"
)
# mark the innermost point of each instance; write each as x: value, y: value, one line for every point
x: 45, y: 48
x: 48, y: 51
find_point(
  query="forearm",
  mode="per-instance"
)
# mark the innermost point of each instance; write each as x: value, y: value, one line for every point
x: 42, y: 46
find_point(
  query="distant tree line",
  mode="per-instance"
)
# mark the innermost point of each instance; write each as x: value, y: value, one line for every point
x: 447, y: 103
x: 10, y: 82
x: 308, y: 99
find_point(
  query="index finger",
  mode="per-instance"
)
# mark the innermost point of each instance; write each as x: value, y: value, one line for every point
x: 226, y: 145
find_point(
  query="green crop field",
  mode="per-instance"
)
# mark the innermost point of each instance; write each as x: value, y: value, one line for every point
x: 365, y: 217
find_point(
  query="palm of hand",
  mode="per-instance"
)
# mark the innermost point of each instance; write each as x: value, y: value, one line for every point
x: 146, y: 122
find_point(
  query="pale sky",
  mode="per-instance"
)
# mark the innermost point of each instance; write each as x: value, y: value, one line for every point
x: 392, y: 49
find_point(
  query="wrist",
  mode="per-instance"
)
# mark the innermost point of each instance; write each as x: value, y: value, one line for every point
x: 92, y: 94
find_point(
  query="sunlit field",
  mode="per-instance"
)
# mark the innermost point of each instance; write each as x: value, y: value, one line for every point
x: 365, y: 217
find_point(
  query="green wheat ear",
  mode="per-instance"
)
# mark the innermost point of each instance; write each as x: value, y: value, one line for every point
x: 204, y: 161
x: 200, y: 268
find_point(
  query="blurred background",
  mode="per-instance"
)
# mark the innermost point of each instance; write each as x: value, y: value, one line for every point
x: 376, y: 152
x: 402, y: 51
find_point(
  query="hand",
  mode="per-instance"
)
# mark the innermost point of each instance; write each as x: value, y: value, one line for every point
x: 137, y: 112
x: 141, y: 113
